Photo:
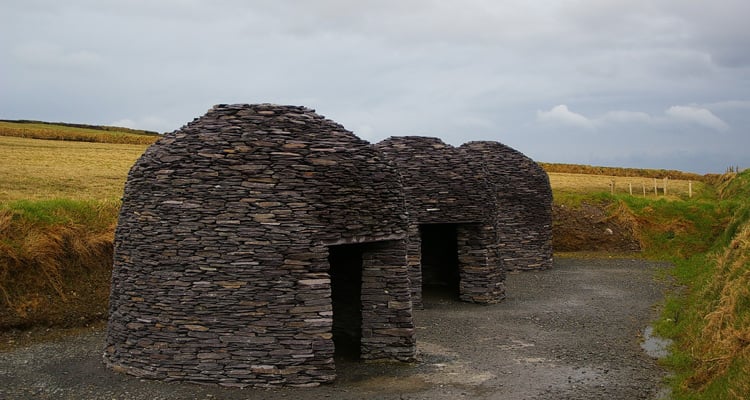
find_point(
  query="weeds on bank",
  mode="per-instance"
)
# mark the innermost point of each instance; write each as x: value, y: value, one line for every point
x: 55, y: 261
x: 710, y: 319
x: 57, y: 217
x: 707, y: 239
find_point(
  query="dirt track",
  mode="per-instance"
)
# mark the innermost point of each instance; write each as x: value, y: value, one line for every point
x: 571, y: 332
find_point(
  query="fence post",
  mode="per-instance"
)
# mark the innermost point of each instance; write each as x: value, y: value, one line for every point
x: 665, y: 185
x: 656, y: 192
x: 690, y: 189
x: 630, y: 187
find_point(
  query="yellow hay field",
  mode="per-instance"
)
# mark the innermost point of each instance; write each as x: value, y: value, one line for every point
x: 581, y: 183
x: 34, y: 169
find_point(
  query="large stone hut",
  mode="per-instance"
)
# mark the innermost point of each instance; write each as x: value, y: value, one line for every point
x: 239, y: 245
x: 258, y: 241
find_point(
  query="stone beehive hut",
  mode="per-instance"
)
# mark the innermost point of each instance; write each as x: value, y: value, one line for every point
x: 484, y: 206
x: 523, y: 199
x: 239, y: 238
x: 258, y: 241
x: 452, y: 210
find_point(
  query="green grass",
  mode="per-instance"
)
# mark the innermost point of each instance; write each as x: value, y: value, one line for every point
x: 59, y: 202
x: 707, y: 311
x: 94, y: 214
x: 677, y: 230
x: 708, y: 316
x: 55, y: 261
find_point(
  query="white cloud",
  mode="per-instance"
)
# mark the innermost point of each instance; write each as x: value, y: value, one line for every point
x: 561, y: 114
x: 622, y: 116
x: 697, y: 115
x: 692, y: 115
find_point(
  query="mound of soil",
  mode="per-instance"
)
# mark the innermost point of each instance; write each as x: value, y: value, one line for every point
x: 590, y: 227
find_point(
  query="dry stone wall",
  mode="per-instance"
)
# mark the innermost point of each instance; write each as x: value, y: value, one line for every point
x: 524, y: 204
x: 443, y: 185
x: 221, y: 270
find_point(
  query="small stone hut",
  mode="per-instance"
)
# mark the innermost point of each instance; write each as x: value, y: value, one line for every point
x: 475, y: 212
x: 452, y: 212
x: 258, y: 241
x: 523, y: 201
x: 238, y: 243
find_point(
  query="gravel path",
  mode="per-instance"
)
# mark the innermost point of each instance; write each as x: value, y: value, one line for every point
x: 571, y: 332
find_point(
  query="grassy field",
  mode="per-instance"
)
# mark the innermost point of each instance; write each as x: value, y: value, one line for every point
x: 34, y: 169
x: 48, y: 169
x: 59, y: 202
x: 79, y: 133
x: 639, y: 186
x: 58, y: 208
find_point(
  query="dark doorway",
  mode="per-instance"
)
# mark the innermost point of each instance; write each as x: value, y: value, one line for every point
x: 346, y: 297
x: 440, y: 273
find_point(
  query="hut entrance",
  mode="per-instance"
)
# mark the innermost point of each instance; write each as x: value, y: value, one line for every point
x: 346, y: 296
x: 440, y: 272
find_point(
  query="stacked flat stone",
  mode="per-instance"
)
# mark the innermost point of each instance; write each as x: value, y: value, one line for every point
x: 524, y: 204
x: 444, y: 185
x: 221, y: 271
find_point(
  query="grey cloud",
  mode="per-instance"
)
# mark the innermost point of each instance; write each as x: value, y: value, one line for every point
x: 459, y: 70
x: 44, y: 55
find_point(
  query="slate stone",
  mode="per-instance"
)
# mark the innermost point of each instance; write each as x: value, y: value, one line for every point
x: 221, y: 266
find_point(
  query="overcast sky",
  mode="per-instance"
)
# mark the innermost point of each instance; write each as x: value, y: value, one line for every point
x: 633, y: 83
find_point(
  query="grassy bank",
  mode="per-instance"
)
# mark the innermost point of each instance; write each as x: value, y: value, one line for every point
x: 55, y: 262
x: 710, y: 320
x: 707, y: 238
x: 58, y: 208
